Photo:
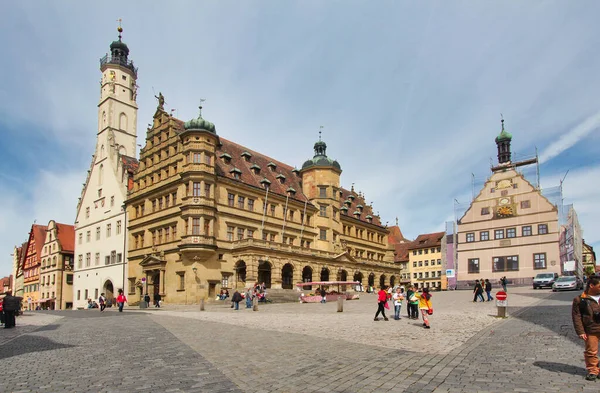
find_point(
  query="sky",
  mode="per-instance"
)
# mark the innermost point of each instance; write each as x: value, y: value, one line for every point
x: 409, y: 94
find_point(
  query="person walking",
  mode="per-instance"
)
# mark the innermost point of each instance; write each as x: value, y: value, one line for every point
x: 488, y: 290
x: 10, y: 305
x: 478, y: 292
x: 409, y: 294
x: 121, y: 299
x: 157, y: 300
x: 323, y: 295
x: 398, y: 296
x: 503, y: 283
x: 236, y: 299
x: 586, y: 321
x: 248, y: 298
x: 425, y: 306
x: 102, y: 302
x: 147, y: 299
x: 381, y: 302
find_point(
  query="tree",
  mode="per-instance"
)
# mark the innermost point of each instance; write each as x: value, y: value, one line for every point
x: 589, y: 270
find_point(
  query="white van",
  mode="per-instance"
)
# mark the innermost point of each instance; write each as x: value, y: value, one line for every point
x: 544, y: 280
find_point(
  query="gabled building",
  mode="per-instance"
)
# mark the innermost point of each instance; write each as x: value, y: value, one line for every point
x: 31, y: 266
x: 510, y: 229
x: 17, y: 271
x: 6, y: 284
x: 56, y: 269
x: 207, y: 213
x: 401, y: 253
x: 100, y: 240
x: 588, y: 257
x: 425, y: 264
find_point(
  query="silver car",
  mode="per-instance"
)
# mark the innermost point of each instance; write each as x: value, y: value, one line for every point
x: 566, y: 283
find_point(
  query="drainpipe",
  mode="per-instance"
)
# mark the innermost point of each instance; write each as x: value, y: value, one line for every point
x: 124, y: 229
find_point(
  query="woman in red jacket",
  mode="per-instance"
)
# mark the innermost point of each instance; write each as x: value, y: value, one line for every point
x: 381, y: 301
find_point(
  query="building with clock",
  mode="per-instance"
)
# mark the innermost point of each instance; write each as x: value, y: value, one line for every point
x: 510, y: 229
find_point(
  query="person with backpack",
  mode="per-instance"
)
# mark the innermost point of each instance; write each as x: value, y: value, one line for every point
x: 236, y: 299
x: 121, y: 299
x: 488, y: 290
x: 102, y: 302
x: 425, y: 306
x: 381, y: 302
x: 503, y: 282
x: 585, y: 313
x: 10, y: 305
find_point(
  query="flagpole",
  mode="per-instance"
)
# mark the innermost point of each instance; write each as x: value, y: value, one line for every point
x: 303, y: 220
x: 262, y: 225
x: 287, y: 198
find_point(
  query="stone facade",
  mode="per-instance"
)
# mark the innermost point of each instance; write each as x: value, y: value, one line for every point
x: 31, y: 266
x: 100, y: 245
x: 206, y: 213
x: 17, y: 271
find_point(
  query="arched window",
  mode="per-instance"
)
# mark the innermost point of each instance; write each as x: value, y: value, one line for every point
x: 102, y: 151
x: 103, y: 119
x: 123, y: 121
x: 100, y: 174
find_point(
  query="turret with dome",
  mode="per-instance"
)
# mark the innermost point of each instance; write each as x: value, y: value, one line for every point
x: 503, y: 143
x: 200, y: 124
x: 320, y: 158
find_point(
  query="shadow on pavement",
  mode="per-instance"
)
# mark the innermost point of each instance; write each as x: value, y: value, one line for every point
x: 47, y: 328
x: 29, y: 343
x: 561, y: 368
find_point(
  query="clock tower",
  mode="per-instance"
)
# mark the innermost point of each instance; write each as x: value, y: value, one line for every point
x: 503, y: 143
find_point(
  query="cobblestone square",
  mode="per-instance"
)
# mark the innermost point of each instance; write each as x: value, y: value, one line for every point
x: 300, y: 348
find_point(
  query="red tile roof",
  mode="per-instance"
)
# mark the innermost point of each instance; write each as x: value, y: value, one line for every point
x: 39, y: 235
x: 130, y: 164
x: 428, y: 240
x: 66, y: 237
x: 292, y: 179
x: 395, y: 236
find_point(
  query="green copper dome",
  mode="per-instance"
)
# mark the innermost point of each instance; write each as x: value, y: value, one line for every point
x: 200, y: 124
x: 320, y: 158
x: 504, y: 136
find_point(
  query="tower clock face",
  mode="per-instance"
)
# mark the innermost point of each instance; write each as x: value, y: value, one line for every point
x: 505, y: 211
x: 504, y: 201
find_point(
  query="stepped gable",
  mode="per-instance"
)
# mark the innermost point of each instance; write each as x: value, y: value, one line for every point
x: 358, y: 200
x: 66, y: 237
x: 247, y: 176
x: 428, y: 240
x: 39, y: 235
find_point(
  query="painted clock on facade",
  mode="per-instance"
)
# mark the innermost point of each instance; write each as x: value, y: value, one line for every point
x: 504, y: 211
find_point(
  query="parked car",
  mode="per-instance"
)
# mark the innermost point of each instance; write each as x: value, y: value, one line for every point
x: 544, y: 280
x: 567, y: 283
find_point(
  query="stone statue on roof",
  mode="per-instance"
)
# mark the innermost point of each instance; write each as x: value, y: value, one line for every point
x: 161, y: 101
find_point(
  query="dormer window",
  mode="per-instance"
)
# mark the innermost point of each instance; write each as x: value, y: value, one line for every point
x: 360, y: 208
x: 226, y: 158
x: 291, y: 191
x: 281, y: 178
x: 296, y: 172
x: 344, y: 210
x: 255, y: 169
x: 272, y: 166
x: 348, y: 202
x: 356, y: 214
x: 341, y: 193
x: 351, y: 197
x: 246, y: 156
x: 236, y: 173
x: 265, y: 183
x: 369, y: 219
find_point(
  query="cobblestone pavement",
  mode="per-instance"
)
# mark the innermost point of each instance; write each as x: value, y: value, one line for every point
x: 183, y: 350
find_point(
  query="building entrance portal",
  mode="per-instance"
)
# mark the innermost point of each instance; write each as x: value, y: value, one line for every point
x: 108, y: 290
x: 264, y: 273
x: 287, y: 276
x: 156, y: 283
x: 307, y: 277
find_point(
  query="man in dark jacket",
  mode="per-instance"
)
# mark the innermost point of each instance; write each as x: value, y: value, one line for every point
x: 236, y: 299
x: 157, y: 298
x: 488, y: 290
x: 586, y: 321
x: 10, y: 305
x: 478, y: 291
x: 323, y: 295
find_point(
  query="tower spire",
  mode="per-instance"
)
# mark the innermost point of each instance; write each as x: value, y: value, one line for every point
x: 120, y: 29
x: 503, y: 144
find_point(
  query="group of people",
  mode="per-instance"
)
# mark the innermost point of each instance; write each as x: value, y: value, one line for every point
x: 480, y: 286
x: 258, y: 291
x: 415, y: 301
x: 9, y: 307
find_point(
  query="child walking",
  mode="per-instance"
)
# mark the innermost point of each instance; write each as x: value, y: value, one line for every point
x: 424, y: 306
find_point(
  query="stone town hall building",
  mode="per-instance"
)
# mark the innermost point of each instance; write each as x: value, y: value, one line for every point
x: 206, y: 213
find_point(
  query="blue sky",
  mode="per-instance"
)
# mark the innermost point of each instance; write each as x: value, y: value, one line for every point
x: 409, y: 94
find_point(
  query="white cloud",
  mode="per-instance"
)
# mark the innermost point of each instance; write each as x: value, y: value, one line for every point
x: 569, y: 139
